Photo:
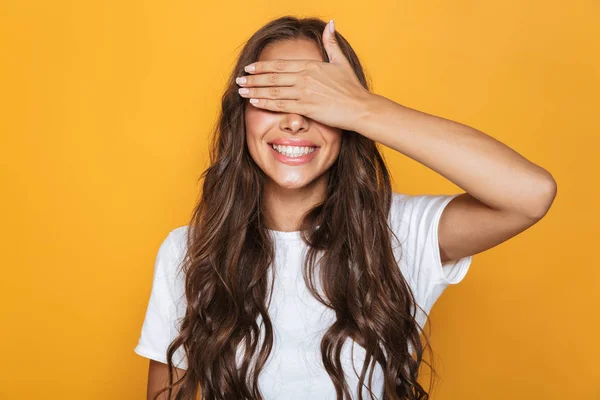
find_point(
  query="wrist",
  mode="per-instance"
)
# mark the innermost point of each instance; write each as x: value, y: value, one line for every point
x: 369, y: 106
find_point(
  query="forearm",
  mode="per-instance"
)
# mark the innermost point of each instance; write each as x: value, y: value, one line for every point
x: 487, y: 169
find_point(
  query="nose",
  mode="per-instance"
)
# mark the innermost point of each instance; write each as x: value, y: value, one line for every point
x: 294, y: 123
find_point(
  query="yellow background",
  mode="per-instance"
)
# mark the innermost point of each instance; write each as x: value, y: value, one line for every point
x: 106, y: 110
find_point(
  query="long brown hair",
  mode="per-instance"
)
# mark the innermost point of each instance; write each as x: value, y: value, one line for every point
x: 230, y: 252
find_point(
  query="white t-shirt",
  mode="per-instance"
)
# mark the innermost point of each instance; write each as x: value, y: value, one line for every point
x: 294, y: 369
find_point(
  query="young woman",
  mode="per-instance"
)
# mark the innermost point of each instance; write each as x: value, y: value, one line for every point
x: 302, y: 275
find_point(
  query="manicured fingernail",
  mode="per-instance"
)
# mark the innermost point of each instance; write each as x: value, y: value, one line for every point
x: 249, y: 68
x: 331, y: 27
x: 253, y: 101
x: 240, y: 80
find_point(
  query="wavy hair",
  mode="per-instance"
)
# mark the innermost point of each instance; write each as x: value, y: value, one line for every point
x: 230, y: 253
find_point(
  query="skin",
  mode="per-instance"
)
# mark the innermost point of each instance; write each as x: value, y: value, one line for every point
x: 158, y: 378
x: 506, y: 193
x: 290, y: 190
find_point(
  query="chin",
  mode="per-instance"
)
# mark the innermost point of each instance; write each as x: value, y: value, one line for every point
x: 291, y: 184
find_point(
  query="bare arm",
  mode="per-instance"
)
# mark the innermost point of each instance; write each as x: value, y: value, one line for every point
x: 506, y: 193
x: 158, y: 378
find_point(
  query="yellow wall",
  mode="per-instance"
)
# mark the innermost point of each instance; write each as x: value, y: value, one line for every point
x: 106, y: 109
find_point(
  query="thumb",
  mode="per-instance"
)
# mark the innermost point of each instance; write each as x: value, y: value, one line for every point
x: 334, y: 52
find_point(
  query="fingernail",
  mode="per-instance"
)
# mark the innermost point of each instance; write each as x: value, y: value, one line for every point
x: 331, y: 27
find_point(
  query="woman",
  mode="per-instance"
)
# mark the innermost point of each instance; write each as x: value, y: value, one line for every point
x: 302, y: 274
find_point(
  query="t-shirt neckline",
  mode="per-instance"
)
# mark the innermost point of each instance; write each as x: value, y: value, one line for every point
x: 286, y: 235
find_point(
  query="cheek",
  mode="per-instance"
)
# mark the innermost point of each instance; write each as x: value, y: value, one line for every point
x: 334, y: 140
x: 254, y: 127
x: 257, y: 122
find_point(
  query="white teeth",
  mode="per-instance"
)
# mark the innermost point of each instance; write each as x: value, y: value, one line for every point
x: 293, y: 151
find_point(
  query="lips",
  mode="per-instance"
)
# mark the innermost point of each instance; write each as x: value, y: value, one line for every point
x: 294, y: 160
x: 293, y: 142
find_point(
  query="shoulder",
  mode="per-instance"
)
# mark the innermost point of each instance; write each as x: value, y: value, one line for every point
x: 414, y: 220
x: 409, y: 212
x: 403, y: 203
x: 168, y: 271
x: 177, y: 241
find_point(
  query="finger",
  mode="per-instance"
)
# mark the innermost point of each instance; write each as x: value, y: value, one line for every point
x: 273, y: 92
x: 286, y: 106
x: 269, y: 79
x: 334, y: 51
x: 261, y: 67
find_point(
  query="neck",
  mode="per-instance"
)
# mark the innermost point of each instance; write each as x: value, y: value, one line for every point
x: 283, y: 208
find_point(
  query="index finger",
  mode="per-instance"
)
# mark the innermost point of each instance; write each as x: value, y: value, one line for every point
x: 276, y: 66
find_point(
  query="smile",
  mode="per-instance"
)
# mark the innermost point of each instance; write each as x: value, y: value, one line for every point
x: 294, y: 155
x: 293, y: 151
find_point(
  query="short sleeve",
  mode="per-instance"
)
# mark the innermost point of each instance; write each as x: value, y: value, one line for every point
x: 415, y: 220
x: 165, y: 307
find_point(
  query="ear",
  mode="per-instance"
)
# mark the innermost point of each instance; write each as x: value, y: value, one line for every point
x: 334, y: 52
